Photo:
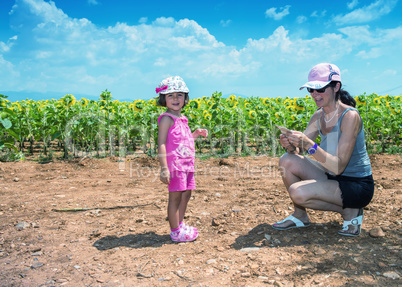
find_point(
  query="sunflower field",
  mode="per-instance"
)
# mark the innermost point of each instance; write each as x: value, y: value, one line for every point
x: 237, y: 126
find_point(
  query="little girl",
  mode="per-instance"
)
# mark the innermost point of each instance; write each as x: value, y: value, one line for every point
x: 177, y: 155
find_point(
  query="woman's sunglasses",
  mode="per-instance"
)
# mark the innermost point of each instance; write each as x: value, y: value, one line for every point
x: 320, y: 91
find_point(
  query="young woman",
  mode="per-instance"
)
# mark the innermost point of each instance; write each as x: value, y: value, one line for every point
x: 336, y: 176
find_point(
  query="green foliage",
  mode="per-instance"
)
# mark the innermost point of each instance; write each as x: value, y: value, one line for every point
x: 236, y: 125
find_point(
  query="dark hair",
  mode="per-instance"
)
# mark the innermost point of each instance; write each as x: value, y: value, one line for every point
x: 343, y: 95
x: 161, y: 100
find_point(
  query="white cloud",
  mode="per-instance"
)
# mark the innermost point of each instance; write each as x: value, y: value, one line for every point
x: 143, y: 20
x: 366, y: 14
x: 225, y: 23
x: 93, y: 2
x: 301, y: 19
x: 351, y: 5
x: 271, y: 12
x: 372, y: 54
x: 320, y: 14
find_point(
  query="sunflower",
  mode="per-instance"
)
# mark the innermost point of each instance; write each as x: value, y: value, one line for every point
x: 278, y: 115
x: 266, y: 101
x: 377, y: 101
x: 252, y: 114
x: 291, y: 108
x: 278, y: 100
x: 288, y: 102
x: 194, y: 104
x: 207, y: 116
x: 232, y: 98
x: 138, y: 105
x: 247, y: 105
x: 84, y: 102
x: 300, y: 103
x: 361, y: 100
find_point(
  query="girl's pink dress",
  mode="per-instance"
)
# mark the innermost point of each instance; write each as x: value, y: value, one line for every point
x: 180, y: 147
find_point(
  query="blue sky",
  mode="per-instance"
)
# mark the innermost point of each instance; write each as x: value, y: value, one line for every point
x: 248, y: 48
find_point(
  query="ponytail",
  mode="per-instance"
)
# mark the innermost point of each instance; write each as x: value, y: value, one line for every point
x: 343, y: 95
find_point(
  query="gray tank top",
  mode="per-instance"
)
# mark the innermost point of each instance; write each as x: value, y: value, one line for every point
x: 359, y: 164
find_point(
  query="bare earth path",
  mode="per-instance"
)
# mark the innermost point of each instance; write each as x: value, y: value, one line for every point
x: 118, y: 233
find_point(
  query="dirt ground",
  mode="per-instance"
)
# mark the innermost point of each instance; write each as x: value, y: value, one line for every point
x: 117, y: 234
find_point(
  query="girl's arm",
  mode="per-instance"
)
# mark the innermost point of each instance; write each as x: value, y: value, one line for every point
x: 164, y: 125
x: 200, y: 132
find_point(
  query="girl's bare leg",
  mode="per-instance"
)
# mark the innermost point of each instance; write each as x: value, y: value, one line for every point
x: 185, y: 198
x: 174, y: 204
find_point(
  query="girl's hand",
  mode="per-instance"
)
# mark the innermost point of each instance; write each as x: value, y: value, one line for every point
x: 200, y: 132
x: 165, y: 175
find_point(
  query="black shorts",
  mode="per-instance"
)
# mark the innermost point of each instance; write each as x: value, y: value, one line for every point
x: 357, y: 192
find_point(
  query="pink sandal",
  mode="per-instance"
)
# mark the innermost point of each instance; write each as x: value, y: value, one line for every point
x: 182, y: 225
x: 185, y: 235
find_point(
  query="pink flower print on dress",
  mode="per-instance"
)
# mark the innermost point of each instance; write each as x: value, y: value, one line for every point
x: 183, y: 151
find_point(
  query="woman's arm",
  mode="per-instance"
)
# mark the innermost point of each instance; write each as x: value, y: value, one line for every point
x: 350, y: 127
x: 294, y: 144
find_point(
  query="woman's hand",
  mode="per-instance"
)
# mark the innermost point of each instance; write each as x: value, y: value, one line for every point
x: 284, y: 141
x: 298, y: 139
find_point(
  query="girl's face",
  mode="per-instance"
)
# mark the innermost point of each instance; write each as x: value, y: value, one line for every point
x: 175, y: 101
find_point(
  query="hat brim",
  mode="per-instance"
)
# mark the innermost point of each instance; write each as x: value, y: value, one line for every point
x: 185, y: 91
x: 315, y: 85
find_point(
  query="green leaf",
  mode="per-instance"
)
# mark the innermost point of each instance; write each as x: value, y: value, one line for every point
x: 6, y: 123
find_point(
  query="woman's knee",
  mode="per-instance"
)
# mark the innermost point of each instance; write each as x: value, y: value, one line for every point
x: 297, y: 194
x: 289, y: 162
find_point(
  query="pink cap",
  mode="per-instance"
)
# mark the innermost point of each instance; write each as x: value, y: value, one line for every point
x: 321, y: 75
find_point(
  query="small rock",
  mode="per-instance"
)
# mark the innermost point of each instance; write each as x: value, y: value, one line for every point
x: 254, y: 266
x: 77, y: 266
x: 268, y: 237
x: 34, y: 225
x: 211, y: 261
x: 22, y: 225
x: 248, y: 249
x: 376, y: 232
x: 38, y: 253
x: 246, y: 274
x: 382, y: 265
x: 36, y: 265
x: 215, y: 222
x: 16, y: 179
x: 220, y: 248
x: 391, y: 275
